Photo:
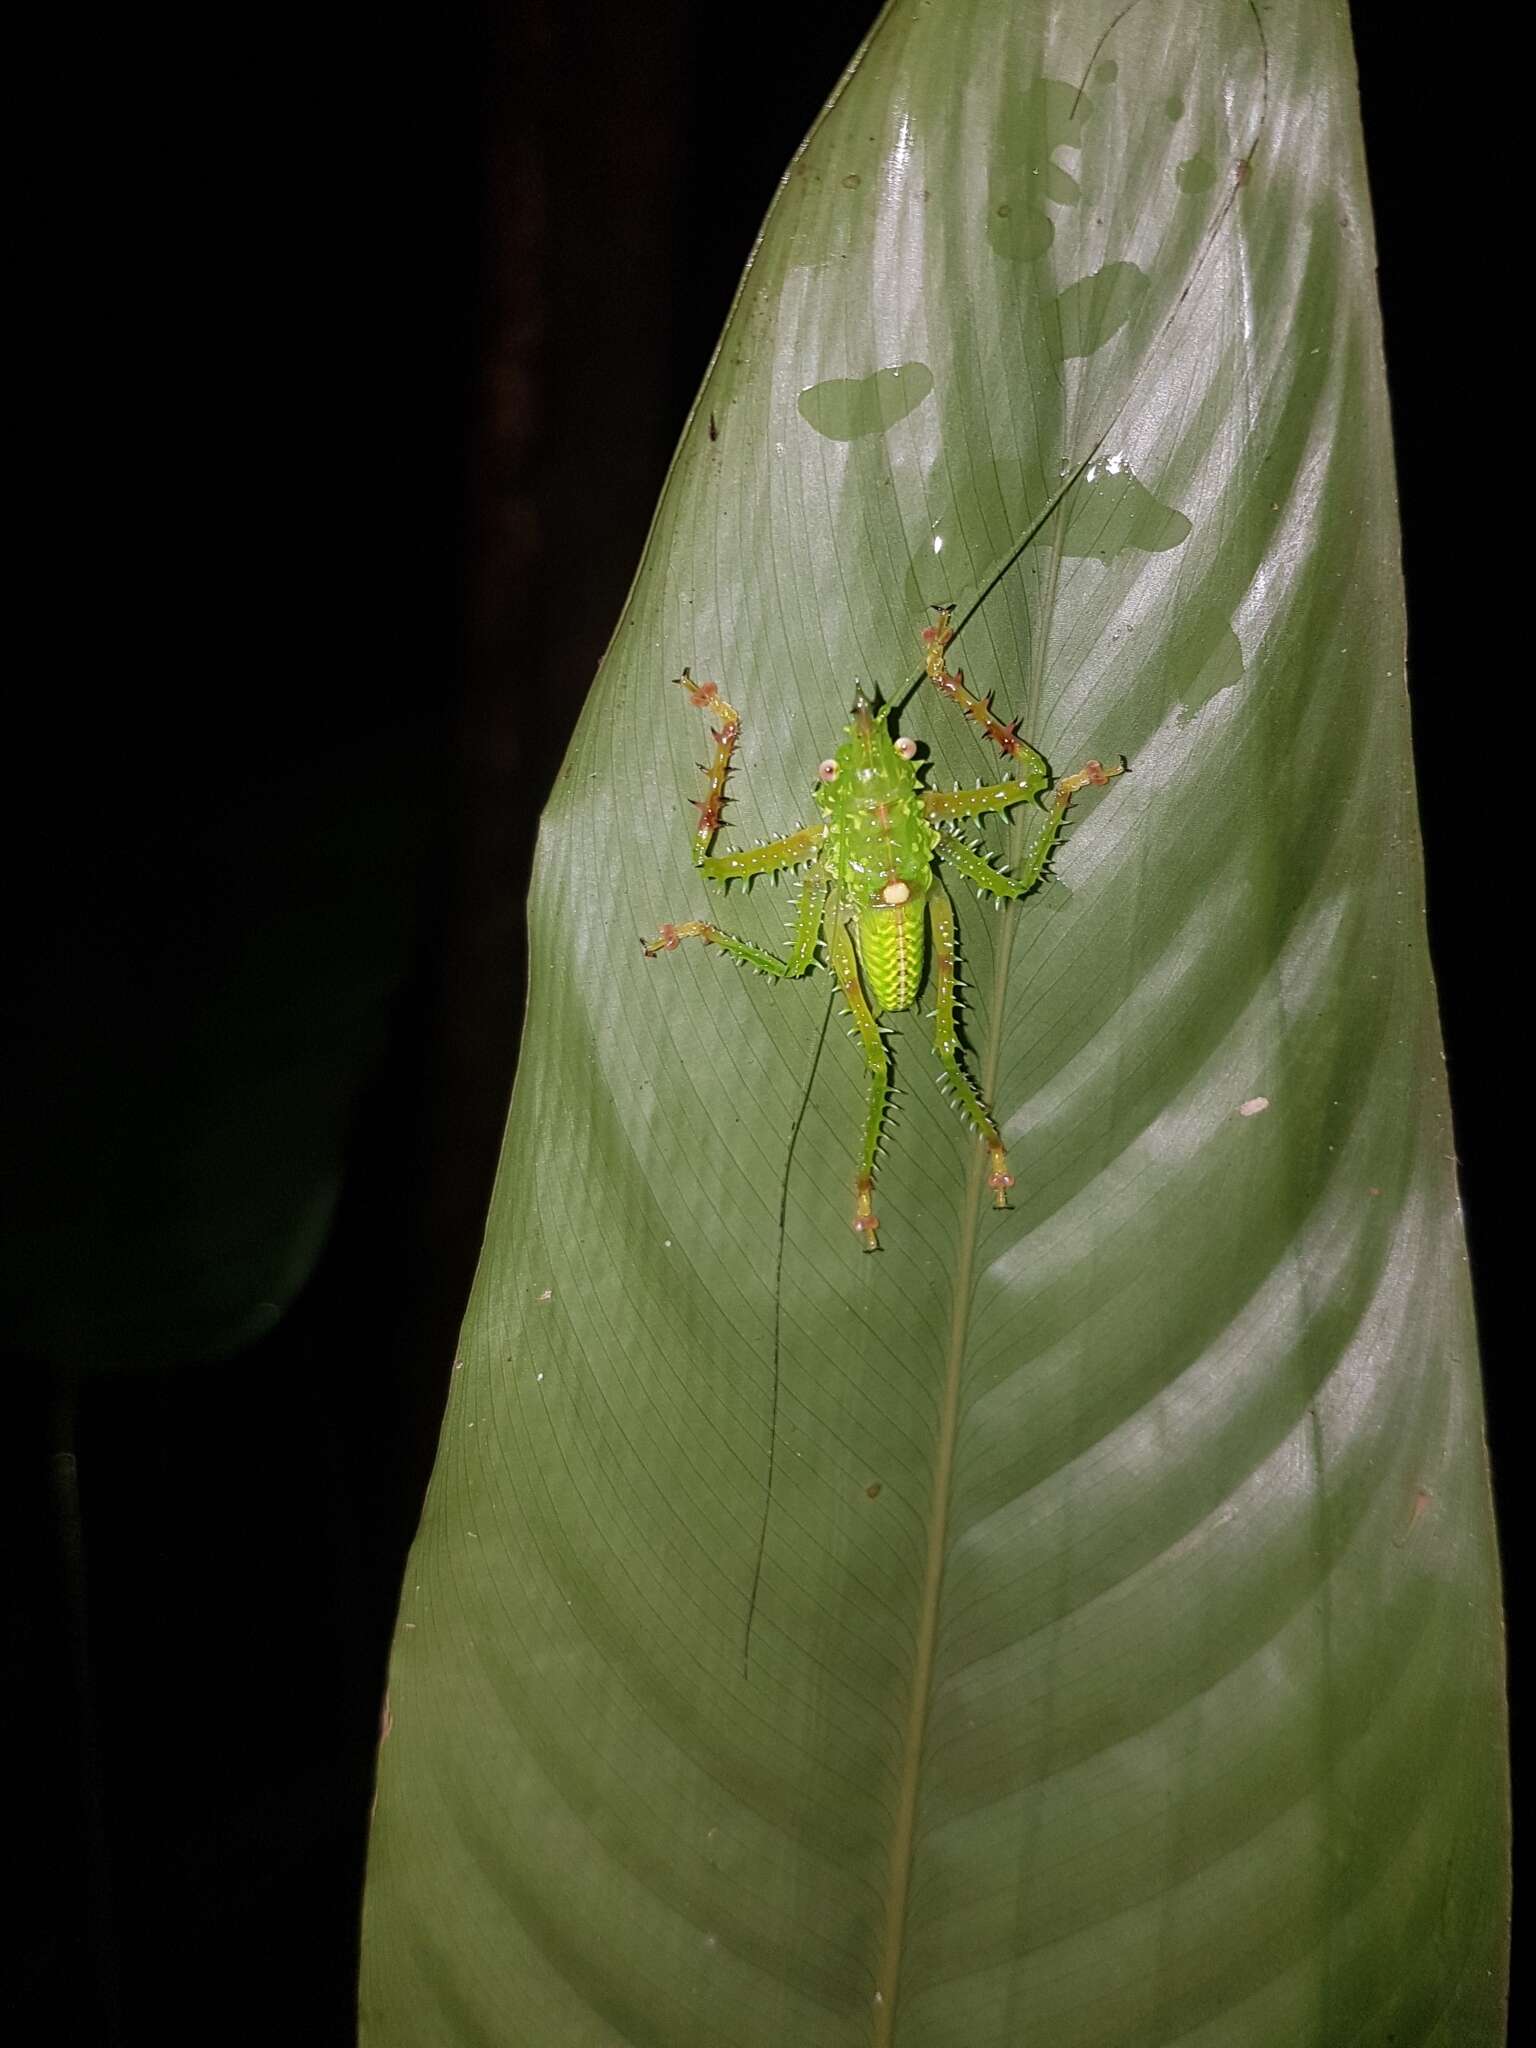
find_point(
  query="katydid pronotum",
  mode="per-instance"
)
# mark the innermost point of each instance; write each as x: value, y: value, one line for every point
x: 873, y: 893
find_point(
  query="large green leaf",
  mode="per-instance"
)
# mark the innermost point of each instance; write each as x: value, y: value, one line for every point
x: 1125, y: 1665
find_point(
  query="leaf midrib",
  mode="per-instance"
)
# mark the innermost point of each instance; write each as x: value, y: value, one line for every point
x: 904, y: 1834
x: 904, y: 1837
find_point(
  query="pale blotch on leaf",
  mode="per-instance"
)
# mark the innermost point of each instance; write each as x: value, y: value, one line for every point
x: 1023, y: 176
x: 845, y: 408
x: 1205, y: 657
x: 1108, y: 510
x: 1091, y: 311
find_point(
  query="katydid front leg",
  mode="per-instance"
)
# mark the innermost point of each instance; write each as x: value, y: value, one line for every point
x: 791, y: 851
x: 711, y: 806
x: 978, y: 710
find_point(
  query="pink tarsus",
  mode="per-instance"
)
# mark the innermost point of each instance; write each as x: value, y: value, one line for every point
x: 711, y: 806
x: 977, y: 709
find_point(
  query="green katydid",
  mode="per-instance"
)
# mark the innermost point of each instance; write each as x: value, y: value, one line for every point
x: 874, y: 892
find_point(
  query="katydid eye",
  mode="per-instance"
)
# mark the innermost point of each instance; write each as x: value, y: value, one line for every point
x: 828, y: 771
x: 906, y: 748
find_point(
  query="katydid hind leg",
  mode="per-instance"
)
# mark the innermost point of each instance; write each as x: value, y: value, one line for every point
x: 877, y: 1072
x: 946, y: 1041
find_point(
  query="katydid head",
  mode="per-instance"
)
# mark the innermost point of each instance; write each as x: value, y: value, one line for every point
x: 870, y: 767
x: 869, y: 713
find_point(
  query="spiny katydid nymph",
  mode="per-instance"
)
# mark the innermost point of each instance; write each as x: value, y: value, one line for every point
x: 873, y: 895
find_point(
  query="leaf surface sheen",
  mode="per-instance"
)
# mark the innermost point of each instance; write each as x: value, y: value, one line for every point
x: 1124, y: 1666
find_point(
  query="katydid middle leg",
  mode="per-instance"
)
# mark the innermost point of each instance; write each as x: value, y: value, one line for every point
x: 802, y: 950
x: 947, y: 806
x: 976, y: 867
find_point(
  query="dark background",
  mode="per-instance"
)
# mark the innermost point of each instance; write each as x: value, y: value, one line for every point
x: 386, y: 336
